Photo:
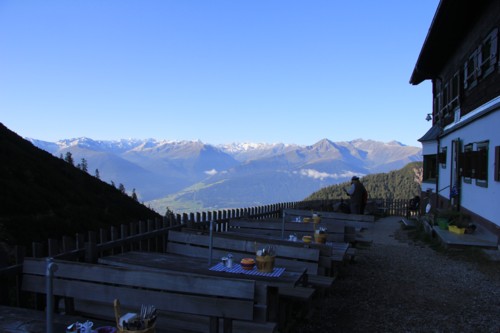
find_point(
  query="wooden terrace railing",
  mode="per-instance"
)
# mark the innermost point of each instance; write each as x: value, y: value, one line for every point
x: 149, y: 236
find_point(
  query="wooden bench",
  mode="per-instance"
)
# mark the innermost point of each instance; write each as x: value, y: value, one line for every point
x: 214, y: 300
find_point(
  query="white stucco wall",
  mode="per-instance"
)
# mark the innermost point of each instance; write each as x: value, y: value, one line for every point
x: 483, y: 201
x: 429, y: 148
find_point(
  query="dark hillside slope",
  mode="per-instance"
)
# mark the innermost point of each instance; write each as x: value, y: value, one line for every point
x: 400, y: 184
x: 42, y: 196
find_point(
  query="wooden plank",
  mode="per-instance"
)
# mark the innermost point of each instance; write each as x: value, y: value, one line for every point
x: 333, y: 215
x: 146, y: 279
x: 275, y: 228
x: 321, y: 281
x: 299, y: 293
x: 197, y: 246
x: 240, y: 245
x: 135, y: 297
x: 166, y: 319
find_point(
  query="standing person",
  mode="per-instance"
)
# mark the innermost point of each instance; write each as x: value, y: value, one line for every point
x: 358, y: 195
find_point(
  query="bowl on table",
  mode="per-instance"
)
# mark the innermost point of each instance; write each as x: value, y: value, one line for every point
x: 307, y: 239
x: 247, y: 263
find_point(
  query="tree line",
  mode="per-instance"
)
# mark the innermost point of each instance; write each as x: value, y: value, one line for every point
x: 83, y: 165
x: 404, y: 183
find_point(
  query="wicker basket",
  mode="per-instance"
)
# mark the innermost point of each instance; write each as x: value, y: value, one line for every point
x: 265, y: 263
x: 121, y: 329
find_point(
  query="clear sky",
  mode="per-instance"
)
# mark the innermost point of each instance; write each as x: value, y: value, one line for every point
x: 220, y: 71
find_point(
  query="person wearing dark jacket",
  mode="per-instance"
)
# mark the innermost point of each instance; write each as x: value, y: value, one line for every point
x: 358, y: 195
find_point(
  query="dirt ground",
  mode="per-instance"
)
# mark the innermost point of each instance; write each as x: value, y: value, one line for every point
x: 406, y: 283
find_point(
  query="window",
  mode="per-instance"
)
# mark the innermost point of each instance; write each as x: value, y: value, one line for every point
x: 442, y: 157
x: 482, y: 60
x: 474, y: 163
x: 454, y: 91
x: 447, y: 99
x: 430, y: 164
x: 497, y: 164
x: 481, y: 164
x: 466, y: 164
x: 471, y: 71
x: 488, y: 53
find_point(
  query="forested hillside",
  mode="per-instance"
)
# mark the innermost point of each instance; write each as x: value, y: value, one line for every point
x: 400, y: 184
x: 44, y: 196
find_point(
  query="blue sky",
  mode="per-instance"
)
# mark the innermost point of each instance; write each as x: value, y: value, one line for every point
x: 218, y: 71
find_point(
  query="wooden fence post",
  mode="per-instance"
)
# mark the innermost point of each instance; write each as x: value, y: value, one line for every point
x: 123, y: 235
x: 91, y: 254
x: 142, y: 230
x: 150, y: 226
x: 113, y: 235
x: 68, y: 244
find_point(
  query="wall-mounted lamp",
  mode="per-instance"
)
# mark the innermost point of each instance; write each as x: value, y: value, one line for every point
x: 429, y: 117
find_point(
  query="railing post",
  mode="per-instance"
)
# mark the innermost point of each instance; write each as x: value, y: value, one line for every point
x: 51, y: 268
x: 20, y: 253
x: 211, y: 243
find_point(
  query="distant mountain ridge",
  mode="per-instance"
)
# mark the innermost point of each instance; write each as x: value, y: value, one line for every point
x: 203, y: 176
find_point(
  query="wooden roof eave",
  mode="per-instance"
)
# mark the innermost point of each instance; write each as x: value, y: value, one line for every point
x: 452, y: 21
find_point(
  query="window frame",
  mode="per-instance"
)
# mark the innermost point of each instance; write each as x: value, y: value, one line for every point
x: 429, y: 167
x: 466, y: 164
x: 487, y: 64
x: 481, y: 163
x: 470, y: 70
x: 443, y: 156
x: 497, y: 164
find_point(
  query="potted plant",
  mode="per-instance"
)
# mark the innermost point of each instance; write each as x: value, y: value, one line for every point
x: 457, y: 221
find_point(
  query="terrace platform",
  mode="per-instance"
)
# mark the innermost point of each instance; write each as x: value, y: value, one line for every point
x: 481, y: 238
x: 20, y: 320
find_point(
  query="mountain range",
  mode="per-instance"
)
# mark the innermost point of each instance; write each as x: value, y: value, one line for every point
x: 45, y: 197
x: 192, y: 175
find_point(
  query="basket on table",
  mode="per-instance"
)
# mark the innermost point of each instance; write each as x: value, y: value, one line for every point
x: 264, y: 258
x: 148, y: 324
x: 265, y: 263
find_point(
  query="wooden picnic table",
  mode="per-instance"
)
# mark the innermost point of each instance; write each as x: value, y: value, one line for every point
x: 331, y: 253
x: 196, y: 265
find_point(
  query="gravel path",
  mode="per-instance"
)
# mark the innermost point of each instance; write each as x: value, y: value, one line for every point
x: 401, y: 285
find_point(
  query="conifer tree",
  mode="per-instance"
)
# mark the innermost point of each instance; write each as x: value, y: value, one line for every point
x: 84, y: 165
x: 69, y: 158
